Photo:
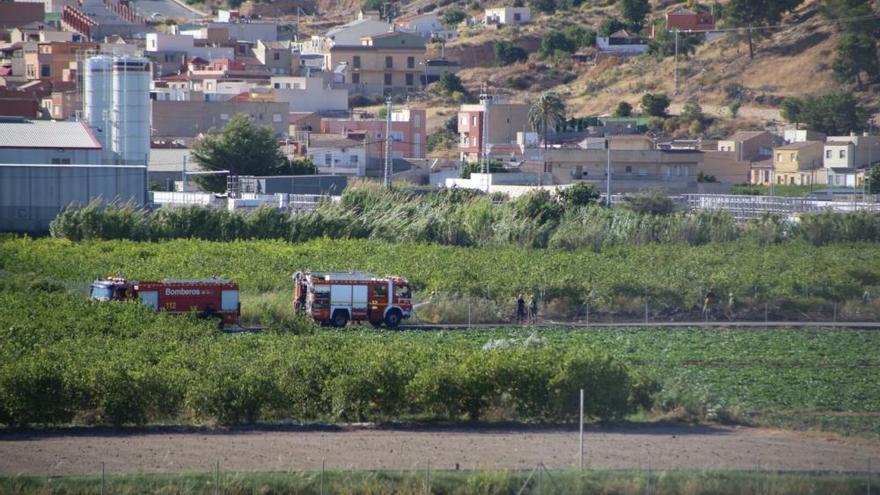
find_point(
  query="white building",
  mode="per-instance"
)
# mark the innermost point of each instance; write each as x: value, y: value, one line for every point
x: 622, y: 43
x: 337, y: 155
x: 309, y: 94
x: 801, y: 135
x: 185, y: 43
x: 508, y: 15
x: 426, y: 25
x: 48, y: 142
x: 851, y: 151
x: 242, y: 31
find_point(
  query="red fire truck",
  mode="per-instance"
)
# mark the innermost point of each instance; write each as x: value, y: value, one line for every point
x: 335, y: 298
x: 209, y: 298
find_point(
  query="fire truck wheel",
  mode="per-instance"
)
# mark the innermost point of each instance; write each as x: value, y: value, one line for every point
x: 392, y: 319
x: 340, y: 319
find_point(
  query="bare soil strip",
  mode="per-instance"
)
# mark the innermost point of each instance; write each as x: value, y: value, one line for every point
x: 81, y: 451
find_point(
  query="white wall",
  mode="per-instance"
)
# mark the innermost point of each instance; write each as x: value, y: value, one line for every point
x: 309, y: 94
x: 162, y: 42
x: 602, y: 45
x: 341, y: 161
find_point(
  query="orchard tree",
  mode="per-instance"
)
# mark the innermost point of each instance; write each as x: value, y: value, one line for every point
x: 831, y: 114
x: 757, y: 13
x: 242, y: 148
x: 506, y: 53
x: 856, y: 53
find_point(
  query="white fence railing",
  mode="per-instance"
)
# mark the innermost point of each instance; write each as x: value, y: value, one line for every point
x: 745, y: 208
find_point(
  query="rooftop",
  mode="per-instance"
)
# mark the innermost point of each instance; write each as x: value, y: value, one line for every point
x: 332, y: 141
x: 799, y: 145
x: 20, y: 133
x: 744, y: 135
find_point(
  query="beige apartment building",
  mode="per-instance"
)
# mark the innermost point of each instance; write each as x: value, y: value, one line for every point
x: 387, y: 62
x: 799, y: 163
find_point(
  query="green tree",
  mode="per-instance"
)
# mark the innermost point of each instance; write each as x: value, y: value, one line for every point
x: 299, y: 166
x: 663, y: 44
x: 874, y: 180
x: 833, y: 113
x: 756, y: 13
x: 692, y: 112
x: 453, y: 17
x: 610, y: 26
x: 792, y: 110
x: 545, y: 6
x: 634, y: 11
x: 623, y: 109
x: 655, y: 105
x: 449, y: 83
x: 556, y: 41
x: 578, y: 194
x: 580, y: 36
x: 546, y: 113
x: 856, y: 53
x: 506, y: 53
x: 242, y: 148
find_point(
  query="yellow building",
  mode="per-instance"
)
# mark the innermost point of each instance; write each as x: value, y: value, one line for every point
x: 392, y: 61
x: 799, y: 164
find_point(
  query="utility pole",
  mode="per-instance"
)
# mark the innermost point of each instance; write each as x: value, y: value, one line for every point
x: 675, y: 91
x: 485, y: 99
x: 607, y: 171
x: 388, y: 143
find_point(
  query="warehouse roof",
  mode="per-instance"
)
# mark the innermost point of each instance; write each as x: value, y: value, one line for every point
x: 22, y: 133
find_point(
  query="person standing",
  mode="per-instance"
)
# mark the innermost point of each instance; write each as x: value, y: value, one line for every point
x: 520, y: 309
x: 533, y: 309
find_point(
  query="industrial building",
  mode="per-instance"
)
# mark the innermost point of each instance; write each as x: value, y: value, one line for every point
x: 26, y: 141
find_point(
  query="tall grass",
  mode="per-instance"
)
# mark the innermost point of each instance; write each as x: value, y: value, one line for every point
x: 459, y: 218
x: 482, y: 482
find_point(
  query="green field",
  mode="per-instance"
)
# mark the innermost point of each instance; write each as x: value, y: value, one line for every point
x: 65, y: 360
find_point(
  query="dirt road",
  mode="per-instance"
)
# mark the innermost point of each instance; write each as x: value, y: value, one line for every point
x: 665, y: 447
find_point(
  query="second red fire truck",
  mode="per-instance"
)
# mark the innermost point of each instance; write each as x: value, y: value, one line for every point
x: 335, y: 298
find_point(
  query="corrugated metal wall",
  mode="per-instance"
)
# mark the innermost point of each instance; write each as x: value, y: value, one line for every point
x: 32, y: 195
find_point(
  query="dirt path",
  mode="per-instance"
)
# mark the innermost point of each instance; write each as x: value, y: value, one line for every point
x: 665, y: 447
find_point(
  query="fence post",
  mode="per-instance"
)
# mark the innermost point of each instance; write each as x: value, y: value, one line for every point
x: 581, y: 425
x: 217, y: 478
x: 102, y: 478
x: 869, y: 476
x: 322, y: 476
x: 834, y: 314
x: 427, y: 478
x: 588, y: 314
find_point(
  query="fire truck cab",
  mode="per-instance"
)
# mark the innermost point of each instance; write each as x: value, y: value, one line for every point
x: 208, y: 297
x: 335, y: 298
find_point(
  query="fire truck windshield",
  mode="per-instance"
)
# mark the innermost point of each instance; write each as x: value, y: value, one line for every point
x: 403, y: 292
x: 101, y: 293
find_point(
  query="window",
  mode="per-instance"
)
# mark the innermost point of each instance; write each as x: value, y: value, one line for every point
x: 355, y: 78
x: 353, y: 159
x: 356, y: 62
x: 409, y: 79
x: 389, y: 62
x: 827, y: 153
x: 276, y: 117
x: 410, y: 62
x: 778, y: 157
x: 842, y: 153
x: 387, y: 79
x: 276, y: 56
x: 517, y: 17
x: 45, y: 71
x: 277, y: 85
x: 328, y: 159
x: 629, y: 169
x: 791, y: 157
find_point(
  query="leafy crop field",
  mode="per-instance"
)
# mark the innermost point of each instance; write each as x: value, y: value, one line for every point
x: 796, y: 280
x: 67, y: 360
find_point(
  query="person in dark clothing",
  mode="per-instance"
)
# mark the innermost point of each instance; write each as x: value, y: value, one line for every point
x: 533, y: 309
x: 520, y: 309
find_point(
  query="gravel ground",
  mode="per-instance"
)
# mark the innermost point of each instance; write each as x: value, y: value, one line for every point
x: 81, y: 451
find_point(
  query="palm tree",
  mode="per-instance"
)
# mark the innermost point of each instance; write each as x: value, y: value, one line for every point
x: 548, y: 111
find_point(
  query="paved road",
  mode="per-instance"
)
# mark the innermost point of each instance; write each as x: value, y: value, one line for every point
x: 165, y: 8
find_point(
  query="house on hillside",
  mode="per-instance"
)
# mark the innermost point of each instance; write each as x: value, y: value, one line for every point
x: 685, y: 19
x: 388, y: 62
x: 749, y: 145
x: 336, y: 154
x: 427, y: 25
x: 622, y: 43
x: 799, y: 164
x: 503, y: 16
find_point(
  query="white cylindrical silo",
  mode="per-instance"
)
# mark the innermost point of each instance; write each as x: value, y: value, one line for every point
x: 130, y: 111
x: 96, y: 96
